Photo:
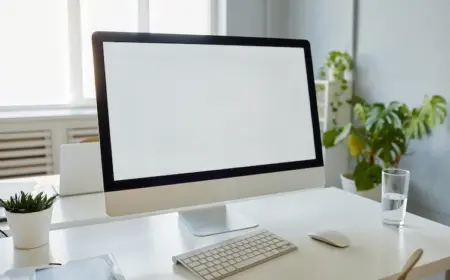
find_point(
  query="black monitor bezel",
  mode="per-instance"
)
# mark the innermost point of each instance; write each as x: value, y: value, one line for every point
x: 98, y: 38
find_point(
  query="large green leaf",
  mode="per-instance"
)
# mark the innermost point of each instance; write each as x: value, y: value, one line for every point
x: 334, y: 136
x: 380, y: 116
x: 343, y: 133
x: 329, y: 136
x: 390, y: 145
x: 426, y: 117
x: 360, y: 111
x: 366, y: 176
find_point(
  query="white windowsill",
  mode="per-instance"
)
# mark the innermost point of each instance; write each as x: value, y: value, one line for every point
x: 47, y: 114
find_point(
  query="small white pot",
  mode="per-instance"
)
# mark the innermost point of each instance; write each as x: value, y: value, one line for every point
x: 350, y: 186
x: 30, y: 230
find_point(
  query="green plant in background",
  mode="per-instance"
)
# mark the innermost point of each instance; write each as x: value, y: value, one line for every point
x: 381, y: 134
x: 338, y: 63
x: 27, y: 203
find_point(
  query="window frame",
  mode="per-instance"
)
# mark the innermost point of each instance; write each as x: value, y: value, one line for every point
x: 77, y: 99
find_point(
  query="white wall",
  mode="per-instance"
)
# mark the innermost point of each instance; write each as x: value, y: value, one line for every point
x: 254, y: 18
x: 327, y: 24
x: 246, y: 18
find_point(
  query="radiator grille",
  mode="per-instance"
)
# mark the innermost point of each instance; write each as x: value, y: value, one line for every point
x: 25, y: 153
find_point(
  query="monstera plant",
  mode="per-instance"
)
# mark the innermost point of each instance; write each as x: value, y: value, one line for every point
x: 380, y: 135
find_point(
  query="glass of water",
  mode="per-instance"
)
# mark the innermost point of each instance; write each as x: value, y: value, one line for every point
x: 395, y: 186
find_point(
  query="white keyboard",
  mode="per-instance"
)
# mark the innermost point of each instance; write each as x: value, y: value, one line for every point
x: 234, y: 255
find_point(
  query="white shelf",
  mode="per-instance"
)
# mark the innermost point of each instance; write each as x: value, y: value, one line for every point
x: 336, y: 159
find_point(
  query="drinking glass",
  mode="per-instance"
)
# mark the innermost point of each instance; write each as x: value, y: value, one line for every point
x: 395, y: 186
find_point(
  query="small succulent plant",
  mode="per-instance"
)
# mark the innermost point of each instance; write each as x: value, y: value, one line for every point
x: 27, y: 203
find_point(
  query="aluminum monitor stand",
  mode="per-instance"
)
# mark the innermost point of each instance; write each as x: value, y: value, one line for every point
x: 213, y: 220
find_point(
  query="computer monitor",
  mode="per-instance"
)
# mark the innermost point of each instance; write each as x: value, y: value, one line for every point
x: 188, y: 120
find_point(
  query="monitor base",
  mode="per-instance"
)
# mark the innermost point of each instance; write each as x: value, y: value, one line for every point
x: 213, y: 220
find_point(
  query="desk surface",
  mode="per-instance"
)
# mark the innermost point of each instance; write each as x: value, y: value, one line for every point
x: 71, y: 211
x: 143, y: 247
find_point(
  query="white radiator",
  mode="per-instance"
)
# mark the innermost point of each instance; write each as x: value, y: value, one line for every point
x: 25, y: 153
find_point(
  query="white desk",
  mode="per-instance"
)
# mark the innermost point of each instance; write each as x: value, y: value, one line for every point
x: 143, y: 247
x: 72, y: 211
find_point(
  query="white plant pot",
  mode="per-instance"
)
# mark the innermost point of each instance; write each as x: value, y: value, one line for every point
x: 30, y: 230
x: 350, y: 186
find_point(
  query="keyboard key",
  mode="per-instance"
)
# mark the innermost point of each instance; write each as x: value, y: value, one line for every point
x: 282, y: 243
x: 209, y: 277
x: 220, y: 250
x: 236, y: 255
x: 187, y: 261
x: 232, y: 261
x: 225, y: 264
x: 203, y: 272
x: 248, y: 251
x: 218, y: 267
x: 208, y: 254
x: 275, y: 251
x: 244, y: 257
x: 214, y: 252
x: 210, y: 259
x: 249, y: 262
x: 194, y: 259
x: 251, y: 255
x: 223, y: 271
x: 230, y: 257
x: 268, y: 254
x: 241, y: 253
x: 201, y: 256
x: 202, y: 261
x: 194, y: 264
x: 223, y: 259
x: 230, y: 269
x: 200, y: 267
x: 235, y: 250
x: 216, y: 274
x: 239, y: 259
x: 216, y: 262
x: 210, y: 264
x: 211, y: 269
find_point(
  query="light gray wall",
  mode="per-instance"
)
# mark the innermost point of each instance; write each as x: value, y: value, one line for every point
x: 327, y: 24
x: 246, y: 18
x: 403, y: 53
x: 255, y: 18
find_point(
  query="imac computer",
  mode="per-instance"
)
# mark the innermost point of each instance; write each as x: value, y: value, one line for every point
x: 188, y: 120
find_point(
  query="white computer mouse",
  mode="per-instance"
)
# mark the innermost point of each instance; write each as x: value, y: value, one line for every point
x: 331, y: 237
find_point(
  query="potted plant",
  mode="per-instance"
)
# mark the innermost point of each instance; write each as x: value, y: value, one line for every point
x: 380, y: 136
x: 29, y: 218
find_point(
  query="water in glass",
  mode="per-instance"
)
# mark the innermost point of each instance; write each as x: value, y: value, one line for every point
x: 395, y: 185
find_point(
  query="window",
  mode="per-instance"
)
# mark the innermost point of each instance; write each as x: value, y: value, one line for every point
x: 46, y: 53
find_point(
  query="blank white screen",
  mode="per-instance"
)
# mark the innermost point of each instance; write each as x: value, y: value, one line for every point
x: 178, y: 108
